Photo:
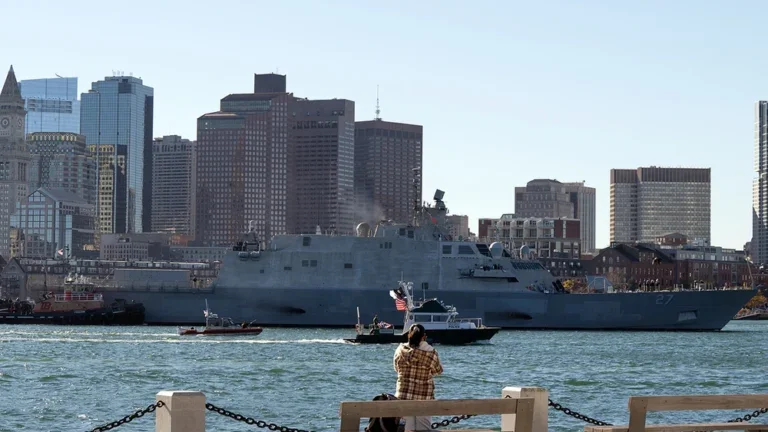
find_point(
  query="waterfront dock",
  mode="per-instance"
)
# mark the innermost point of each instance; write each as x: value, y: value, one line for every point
x: 522, y: 409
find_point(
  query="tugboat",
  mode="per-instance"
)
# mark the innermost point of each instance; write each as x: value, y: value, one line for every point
x: 78, y: 304
x: 440, y: 321
x: 216, y: 325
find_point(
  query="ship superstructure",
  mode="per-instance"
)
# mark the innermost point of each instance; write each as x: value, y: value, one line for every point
x: 319, y: 280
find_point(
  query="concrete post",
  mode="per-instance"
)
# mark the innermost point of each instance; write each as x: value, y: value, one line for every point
x: 184, y: 411
x: 540, y: 407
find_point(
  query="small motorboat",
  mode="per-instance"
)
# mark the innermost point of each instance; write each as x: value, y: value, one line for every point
x: 216, y: 325
x: 440, y: 321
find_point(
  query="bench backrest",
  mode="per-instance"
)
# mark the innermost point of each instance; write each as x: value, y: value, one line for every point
x: 352, y: 412
x: 640, y: 405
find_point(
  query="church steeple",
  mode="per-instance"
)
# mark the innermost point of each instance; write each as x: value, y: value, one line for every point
x: 11, y: 91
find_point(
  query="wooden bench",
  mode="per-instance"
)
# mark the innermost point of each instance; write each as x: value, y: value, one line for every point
x: 352, y: 412
x: 640, y: 405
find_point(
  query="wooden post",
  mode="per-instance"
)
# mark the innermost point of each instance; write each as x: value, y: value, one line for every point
x: 184, y: 411
x: 540, y: 407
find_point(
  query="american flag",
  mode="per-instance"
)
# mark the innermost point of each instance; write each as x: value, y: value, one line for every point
x: 400, y: 305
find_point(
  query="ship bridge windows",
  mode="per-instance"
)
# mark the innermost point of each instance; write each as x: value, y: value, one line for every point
x: 466, y: 250
x: 385, y: 245
x: 401, y: 232
x: 347, y: 265
x: 447, y: 249
x: 309, y: 263
x: 410, y: 233
x: 483, y: 249
x: 306, y: 241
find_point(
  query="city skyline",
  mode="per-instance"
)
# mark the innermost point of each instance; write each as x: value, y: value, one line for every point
x: 562, y: 84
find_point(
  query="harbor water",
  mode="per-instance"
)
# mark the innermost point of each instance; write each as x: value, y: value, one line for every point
x: 57, y: 378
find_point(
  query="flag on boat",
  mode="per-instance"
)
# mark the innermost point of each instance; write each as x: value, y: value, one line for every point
x: 385, y: 325
x: 205, y: 313
x: 400, y: 305
x: 60, y: 252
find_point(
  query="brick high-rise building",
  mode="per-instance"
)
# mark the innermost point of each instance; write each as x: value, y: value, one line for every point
x: 388, y: 164
x: 242, y: 168
x: 322, y: 167
x: 649, y: 202
x: 173, y: 185
x: 15, y: 157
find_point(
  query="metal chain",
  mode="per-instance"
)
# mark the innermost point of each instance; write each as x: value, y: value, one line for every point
x: 574, y: 414
x: 446, y: 422
x: 129, y: 418
x: 749, y: 417
x: 250, y: 421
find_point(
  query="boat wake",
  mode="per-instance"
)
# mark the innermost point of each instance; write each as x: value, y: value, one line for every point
x: 175, y: 339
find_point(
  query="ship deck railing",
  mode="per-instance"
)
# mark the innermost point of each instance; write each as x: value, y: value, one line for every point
x: 75, y: 296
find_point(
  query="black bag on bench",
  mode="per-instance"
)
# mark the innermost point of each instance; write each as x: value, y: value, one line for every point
x: 384, y: 424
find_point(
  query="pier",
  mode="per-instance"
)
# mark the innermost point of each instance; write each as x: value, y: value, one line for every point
x: 522, y: 409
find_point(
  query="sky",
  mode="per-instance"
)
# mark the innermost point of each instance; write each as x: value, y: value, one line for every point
x: 507, y: 91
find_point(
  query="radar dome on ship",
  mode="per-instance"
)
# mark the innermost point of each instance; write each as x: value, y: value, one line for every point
x: 363, y: 229
x: 497, y: 248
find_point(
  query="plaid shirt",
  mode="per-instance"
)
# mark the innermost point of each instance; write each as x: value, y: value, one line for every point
x: 415, y: 369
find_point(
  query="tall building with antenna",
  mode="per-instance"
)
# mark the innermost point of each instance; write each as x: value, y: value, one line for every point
x: 388, y: 169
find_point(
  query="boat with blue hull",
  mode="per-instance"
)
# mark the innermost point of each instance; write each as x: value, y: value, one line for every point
x: 320, y: 280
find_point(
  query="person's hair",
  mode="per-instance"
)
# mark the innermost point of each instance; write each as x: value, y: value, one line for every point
x: 415, y: 334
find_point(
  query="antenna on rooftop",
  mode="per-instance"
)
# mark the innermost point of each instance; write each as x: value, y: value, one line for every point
x: 378, y: 111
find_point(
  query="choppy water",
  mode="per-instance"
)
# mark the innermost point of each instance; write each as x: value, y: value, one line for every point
x: 77, y: 378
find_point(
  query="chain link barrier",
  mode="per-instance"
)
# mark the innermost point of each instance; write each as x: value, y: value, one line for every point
x: 749, y: 417
x: 456, y: 419
x: 577, y: 415
x: 129, y: 418
x: 248, y: 420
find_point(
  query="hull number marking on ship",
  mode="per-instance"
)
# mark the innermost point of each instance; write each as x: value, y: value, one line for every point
x: 45, y: 306
x: 662, y: 299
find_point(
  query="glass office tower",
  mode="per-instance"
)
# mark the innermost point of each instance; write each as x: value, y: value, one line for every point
x: 117, y: 111
x: 51, y: 104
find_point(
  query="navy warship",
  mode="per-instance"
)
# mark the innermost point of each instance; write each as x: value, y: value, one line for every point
x: 320, y: 280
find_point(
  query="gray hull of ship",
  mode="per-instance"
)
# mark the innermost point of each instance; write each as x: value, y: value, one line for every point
x: 680, y: 310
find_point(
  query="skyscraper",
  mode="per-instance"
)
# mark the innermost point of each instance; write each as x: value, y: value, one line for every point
x: 173, y: 185
x: 650, y: 202
x: 62, y: 160
x: 14, y: 157
x: 111, y: 163
x: 51, y: 104
x: 242, y: 164
x: 322, y: 158
x: 759, y: 245
x: 552, y: 199
x: 388, y: 163
x: 118, y: 111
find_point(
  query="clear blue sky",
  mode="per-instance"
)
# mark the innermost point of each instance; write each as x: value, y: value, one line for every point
x: 507, y: 91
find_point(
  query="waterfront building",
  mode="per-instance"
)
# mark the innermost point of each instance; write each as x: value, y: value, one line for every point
x: 650, y: 202
x: 242, y: 169
x: 15, y: 157
x: 759, y: 242
x: 173, y: 185
x: 118, y: 111
x: 62, y: 160
x: 458, y: 226
x: 553, y: 199
x: 544, y: 237
x: 112, y: 166
x: 322, y: 166
x: 54, y: 223
x: 388, y: 167
x: 51, y: 105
